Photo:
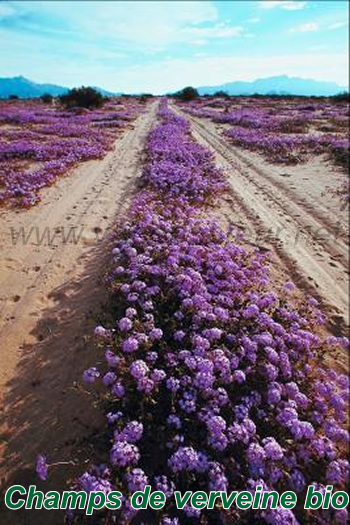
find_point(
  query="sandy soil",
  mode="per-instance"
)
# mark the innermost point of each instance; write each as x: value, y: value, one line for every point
x: 51, y: 291
x: 290, y: 211
x: 51, y: 295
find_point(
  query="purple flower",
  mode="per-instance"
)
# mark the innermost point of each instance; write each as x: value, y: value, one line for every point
x: 174, y: 420
x: 274, y: 393
x: 145, y: 384
x: 132, y: 432
x: 118, y: 390
x: 273, y: 450
x: 99, y: 331
x: 41, y: 467
x: 123, y: 454
x: 239, y: 376
x: 151, y: 357
x: 113, y: 417
x: 297, y: 480
x: 136, y: 480
x: 337, y: 472
x: 139, y: 369
x: 156, y: 334
x: 179, y: 335
x: 289, y: 286
x: 91, y: 374
x: 158, y: 375
x: 109, y: 378
x: 251, y: 311
x: 164, y: 485
x: 173, y: 384
x: 111, y: 359
x: 170, y: 521
x: 187, y: 458
x: 255, y: 454
x: 217, y: 478
x: 130, y: 345
x: 95, y: 480
x: 216, y: 425
x: 125, y: 324
x: 130, y: 312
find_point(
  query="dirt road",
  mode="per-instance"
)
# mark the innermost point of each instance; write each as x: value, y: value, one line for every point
x: 51, y: 292
x: 307, y: 233
x: 50, y: 295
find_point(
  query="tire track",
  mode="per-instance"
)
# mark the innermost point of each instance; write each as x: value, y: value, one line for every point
x: 299, y: 210
x: 87, y: 201
x: 309, y: 262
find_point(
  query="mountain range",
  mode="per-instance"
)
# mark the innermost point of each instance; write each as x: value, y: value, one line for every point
x: 279, y: 85
x: 25, y: 88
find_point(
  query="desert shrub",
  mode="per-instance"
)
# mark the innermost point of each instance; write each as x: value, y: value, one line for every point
x: 145, y: 97
x: 221, y: 94
x: 187, y: 94
x: 13, y: 97
x: 340, y: 155
x: 46, y: 98
x: 342, y: 97
x: 83, y: 97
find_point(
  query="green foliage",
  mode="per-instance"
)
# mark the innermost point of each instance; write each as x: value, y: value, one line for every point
x: 221, y: 94
x: 187, y: 94
x: 83, y: 97
x: 46, y: 98
x: 344, y: 96
x: 145, y: 97
x: 340, y: 155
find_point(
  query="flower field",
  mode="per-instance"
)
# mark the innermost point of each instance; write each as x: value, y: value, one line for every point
x: 212, y: 378
x: 38, y: 143
x: 285, y: 131
x: 174, y: 269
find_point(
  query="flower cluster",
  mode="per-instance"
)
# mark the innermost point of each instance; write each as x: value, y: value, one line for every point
x: 212, y: 379
x: 286, y: 148
x: 284, y: 130
x: 40, y: 143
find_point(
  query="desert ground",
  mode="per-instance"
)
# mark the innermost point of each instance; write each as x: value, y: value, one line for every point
x: 290, y: 210
x: 52, y: 293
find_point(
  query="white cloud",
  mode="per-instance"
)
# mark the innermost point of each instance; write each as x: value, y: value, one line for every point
x: 288, y: 5
x: 199, y: 42
x: 138, y: 26
x: 309, y: 27
x: 338, y: 25
x: 146, y: 25
x: 254, y: 20
x: 216, y: 31
x: 170, y: 74
x: 117, y: 45
x: 150, y: 24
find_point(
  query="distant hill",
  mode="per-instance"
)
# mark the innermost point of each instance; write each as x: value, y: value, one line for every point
x: 25, y: 88
x: 280, y: 85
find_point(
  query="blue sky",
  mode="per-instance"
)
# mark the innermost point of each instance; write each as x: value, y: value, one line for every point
x: 160, y: 46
